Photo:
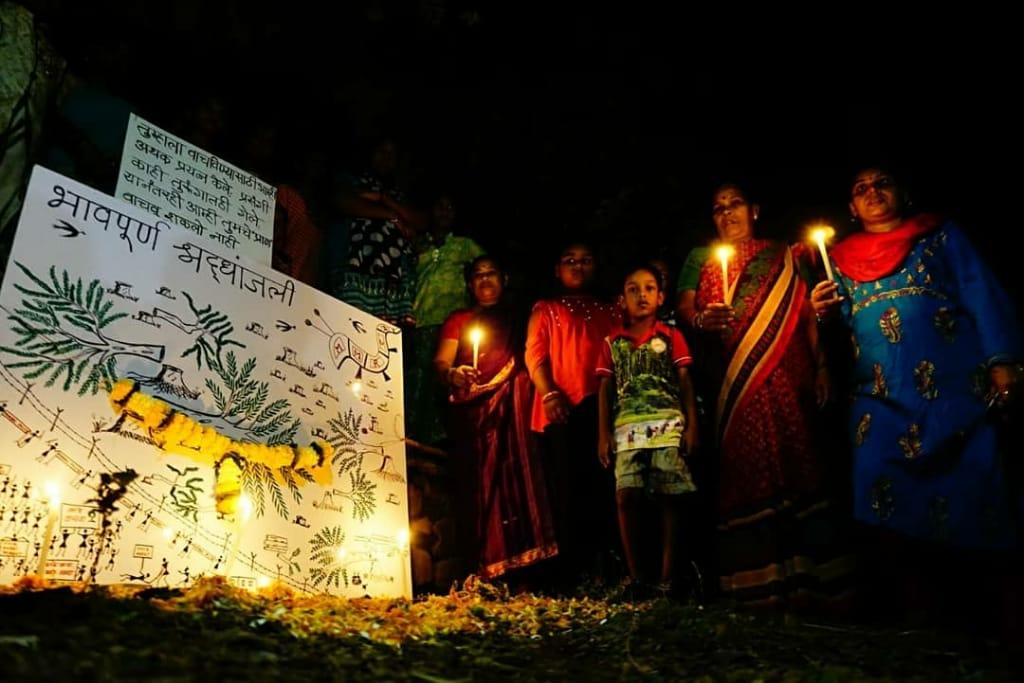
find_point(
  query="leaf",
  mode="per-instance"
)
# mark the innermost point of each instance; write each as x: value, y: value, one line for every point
x: 90, y: 381
x: 81, y: 322
x: 191, y: 304
x: 104, y: 321
x: 61, y: 368
x: 277, y: 494
x: 218, y: 395
x: 90, y: 293
x: 271, y: 410
x: 288, y: 475
x: 252, y: 482
x: 31, y: 276
x: 247, y: 368
x: 285, y: 436
x: 37, y: 372
x: 232, y: 367
x: 262, y: 393
x: 80, y: 368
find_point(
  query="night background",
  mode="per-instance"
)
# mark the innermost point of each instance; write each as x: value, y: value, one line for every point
x: 545, y: 121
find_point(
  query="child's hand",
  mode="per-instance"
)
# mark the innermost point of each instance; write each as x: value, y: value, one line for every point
x: 691, y: 440
x: 556, y: 409
x: 605, y: 450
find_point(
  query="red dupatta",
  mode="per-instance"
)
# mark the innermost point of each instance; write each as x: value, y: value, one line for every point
x: 870, y: 256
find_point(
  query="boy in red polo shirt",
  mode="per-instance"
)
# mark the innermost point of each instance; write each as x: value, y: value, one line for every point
x: 647, y: 418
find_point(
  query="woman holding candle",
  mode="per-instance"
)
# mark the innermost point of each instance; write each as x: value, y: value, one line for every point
x: 506, y: 522
x: 936, y: 347
x: 769, y: 380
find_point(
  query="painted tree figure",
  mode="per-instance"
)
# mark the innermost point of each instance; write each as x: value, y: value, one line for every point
x: 61, y: 328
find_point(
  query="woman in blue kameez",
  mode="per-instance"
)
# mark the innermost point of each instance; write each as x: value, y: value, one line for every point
x: 936, y: 345
x: 936, y: 353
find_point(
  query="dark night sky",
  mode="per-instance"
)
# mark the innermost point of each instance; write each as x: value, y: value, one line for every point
x: 548, y: 118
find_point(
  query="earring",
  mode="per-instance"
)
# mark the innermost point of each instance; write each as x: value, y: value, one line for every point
x: 853, y: 218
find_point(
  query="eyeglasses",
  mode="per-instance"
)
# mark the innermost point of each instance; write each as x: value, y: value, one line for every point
x: 879, y: 184
x: 569, y: 261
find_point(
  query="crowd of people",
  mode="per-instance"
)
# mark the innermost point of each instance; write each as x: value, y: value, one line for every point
x: 912, y: 344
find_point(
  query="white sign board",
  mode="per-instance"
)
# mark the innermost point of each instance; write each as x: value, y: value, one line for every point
x: 97, y: 290
x: 168, y: 178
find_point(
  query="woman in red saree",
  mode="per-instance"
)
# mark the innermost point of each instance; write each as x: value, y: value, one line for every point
x: 775, y: 539
x: 506, y: 521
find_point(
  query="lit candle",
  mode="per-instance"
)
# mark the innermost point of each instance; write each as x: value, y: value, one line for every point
x: 724, y: 253
x: 820, y: 235
x: 53, y: 504
x: 402, y: 539
x: 242, y: 515
x: 475, y: 335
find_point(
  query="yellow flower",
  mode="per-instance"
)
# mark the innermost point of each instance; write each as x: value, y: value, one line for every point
x: 175, y: 432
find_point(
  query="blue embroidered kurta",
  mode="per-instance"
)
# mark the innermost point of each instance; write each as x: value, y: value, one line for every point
x: 926, y: 462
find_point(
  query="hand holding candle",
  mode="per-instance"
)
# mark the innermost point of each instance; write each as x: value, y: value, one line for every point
x: 723, y: 253
x: 820, y: 235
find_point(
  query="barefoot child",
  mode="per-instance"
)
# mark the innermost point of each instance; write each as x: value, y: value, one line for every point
x: 647, y: 419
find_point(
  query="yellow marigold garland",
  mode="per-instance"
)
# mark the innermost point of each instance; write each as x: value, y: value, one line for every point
x: 176, y: 432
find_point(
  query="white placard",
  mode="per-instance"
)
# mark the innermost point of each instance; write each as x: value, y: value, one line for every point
x: 97, y: 289
x: 171, y: 179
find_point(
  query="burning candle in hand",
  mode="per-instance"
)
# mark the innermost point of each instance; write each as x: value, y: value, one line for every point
x: 725, y: 252
x: 475, y: 335
x: 820, y: 235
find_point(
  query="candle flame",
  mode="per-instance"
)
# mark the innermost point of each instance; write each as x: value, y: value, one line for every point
x: 244, y: 507
x: 475, y: 335
x: 724, y: 252
x: 822, y: 233
x: 342, y: 553
x: 262, y: 582
x: 357, y: 387
x: 52, y: 490
x: 403, y: 538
